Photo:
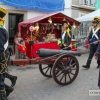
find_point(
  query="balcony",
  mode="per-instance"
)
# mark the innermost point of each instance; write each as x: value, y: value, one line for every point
x: 86, y: 6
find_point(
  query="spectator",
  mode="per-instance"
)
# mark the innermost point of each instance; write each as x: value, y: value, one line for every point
x: 22, y: 49
x: 17, y: 40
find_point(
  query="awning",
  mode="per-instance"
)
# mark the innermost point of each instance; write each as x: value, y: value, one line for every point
x: 89, y: 17
x: 42, y: 5
x: 56, y: 18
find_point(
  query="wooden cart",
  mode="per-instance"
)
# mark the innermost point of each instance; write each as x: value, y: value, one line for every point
x: 62, y: 66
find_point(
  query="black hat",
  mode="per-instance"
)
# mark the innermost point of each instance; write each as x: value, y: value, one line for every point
x: 95, y: 20
x: 64, y: 22
x: 3, y: 12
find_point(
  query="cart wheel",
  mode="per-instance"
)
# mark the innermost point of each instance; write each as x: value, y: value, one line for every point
x: 46, y: 70
x: 65, y: 69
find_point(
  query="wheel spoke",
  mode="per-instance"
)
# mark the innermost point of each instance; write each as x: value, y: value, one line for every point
x: 70, y: 61
x: 72, y: 73
x: 65, y: 77
x: 47, y: 70
x: 73, y: 64
x: 59, y: 74
x: 58, y: 68
x: 65, y: 63
x: 56, y: 72
x: 61, y: 65
x: 62, y: 77
x: 69, y: 76
x: 50, y: 70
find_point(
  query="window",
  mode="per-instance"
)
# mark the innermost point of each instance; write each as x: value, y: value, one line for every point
x: 82, y: 26
x: 92, y: 2
x: 87, y: 2
x: 81, y: 14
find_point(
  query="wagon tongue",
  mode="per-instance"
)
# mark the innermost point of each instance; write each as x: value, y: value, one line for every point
x: 52, y: 52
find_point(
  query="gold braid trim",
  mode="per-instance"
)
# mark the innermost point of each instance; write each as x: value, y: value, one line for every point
x: 96, y: 27
x: 68, y: 32
x: 4, y: 63
x: 64, y: 43
x: 2, y: 90
x: 90, y: 59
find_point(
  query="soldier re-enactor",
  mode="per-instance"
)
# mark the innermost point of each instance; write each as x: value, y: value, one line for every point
x: 93, y: 38
x: 5, y: 90
x: 66, y: 36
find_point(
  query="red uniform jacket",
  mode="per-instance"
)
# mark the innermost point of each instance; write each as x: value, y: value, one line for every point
x: 21, y: 49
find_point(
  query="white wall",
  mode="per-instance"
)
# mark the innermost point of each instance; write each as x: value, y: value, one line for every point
x: 34, y: 13
x: 67, y: 10
x: 68, y: 3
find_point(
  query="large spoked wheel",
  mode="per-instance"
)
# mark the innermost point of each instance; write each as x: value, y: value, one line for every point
x: 46, y: 70
x: 65, y: 69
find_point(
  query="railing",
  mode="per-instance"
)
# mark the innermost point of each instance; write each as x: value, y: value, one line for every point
x: 90, y: 3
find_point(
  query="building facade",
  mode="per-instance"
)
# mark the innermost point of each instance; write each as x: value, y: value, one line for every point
x: 81, y: 8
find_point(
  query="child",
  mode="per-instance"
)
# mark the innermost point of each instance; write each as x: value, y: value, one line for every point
x: 22, y: 50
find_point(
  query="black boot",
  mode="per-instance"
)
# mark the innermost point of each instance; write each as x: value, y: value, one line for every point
x: 3, y: 96
x: 9, y: 89
x: 12, y: 78
x: 88, y: 64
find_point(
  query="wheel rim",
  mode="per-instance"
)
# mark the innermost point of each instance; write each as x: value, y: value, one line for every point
x: 65, y: 69
x: 46, y: 70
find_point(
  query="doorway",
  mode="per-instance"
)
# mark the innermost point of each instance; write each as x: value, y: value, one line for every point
x: 14, y: 19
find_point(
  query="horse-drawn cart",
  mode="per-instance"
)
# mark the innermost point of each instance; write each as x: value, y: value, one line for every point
x: 62, y: 65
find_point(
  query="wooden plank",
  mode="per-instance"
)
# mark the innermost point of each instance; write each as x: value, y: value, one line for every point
x: 19, y: 62
x: 32, y: 61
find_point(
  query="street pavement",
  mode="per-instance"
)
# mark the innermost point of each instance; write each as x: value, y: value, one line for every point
x: 32, y: 85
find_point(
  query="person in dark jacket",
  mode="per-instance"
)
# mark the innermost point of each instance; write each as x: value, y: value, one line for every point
x: 97, y: 57
x: 5, y: 90
x: 93, y: 38
x: 66, y: 35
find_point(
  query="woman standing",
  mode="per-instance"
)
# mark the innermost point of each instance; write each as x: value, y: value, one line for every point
x: 17, y: 39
